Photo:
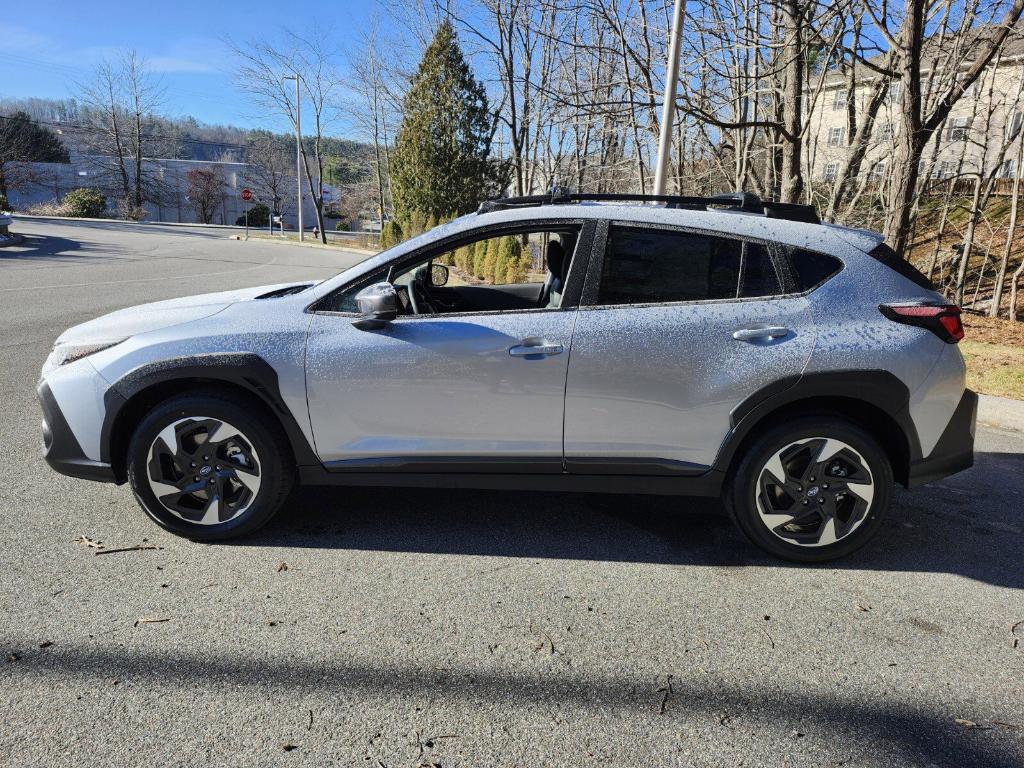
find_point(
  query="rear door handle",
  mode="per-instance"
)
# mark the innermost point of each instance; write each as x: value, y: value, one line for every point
x: 531, y: 347
x: 752, y: 334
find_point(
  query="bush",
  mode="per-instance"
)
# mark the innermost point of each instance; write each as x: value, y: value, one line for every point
x: 84, y: 203
x: 390, y: 234
x: 5, y: 204
x: 125, y: 210
x: 342, y: 226
x: 518, y: 266
x: 259, y: 216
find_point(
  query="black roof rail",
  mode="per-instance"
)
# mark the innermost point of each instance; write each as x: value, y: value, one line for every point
x: 746, y: 202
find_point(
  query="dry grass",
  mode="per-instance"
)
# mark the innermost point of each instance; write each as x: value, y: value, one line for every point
x: 994, y: 369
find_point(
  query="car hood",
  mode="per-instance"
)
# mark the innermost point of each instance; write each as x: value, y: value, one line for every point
x: 162, y: 314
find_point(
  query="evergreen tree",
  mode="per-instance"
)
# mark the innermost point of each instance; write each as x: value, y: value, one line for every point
x: 440, y: 162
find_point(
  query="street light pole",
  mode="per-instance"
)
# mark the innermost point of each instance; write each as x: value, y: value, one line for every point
x: 669, y: 105
x: 298, y: 149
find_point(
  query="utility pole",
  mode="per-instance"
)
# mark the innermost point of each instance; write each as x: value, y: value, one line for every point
x: 298, y: 151
x: 669, y: 106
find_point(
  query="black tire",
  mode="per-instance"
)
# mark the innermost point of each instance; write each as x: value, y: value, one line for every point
x: 742, y: 490
x: 253, y: 424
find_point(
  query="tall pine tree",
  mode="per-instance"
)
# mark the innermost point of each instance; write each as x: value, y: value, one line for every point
x: 440, y: 164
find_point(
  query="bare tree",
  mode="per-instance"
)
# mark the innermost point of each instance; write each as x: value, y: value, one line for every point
x: 119, y: 127
x: 270, y: 169
x: 205, y: 191
x: 313, y: 60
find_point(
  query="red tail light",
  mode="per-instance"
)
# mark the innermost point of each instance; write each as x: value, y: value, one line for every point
x: 941, y: 319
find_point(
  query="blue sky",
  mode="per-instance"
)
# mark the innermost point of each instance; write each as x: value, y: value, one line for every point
x: 49, y: 46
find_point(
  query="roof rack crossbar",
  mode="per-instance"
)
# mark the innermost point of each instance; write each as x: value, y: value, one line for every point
x: 738, y: 201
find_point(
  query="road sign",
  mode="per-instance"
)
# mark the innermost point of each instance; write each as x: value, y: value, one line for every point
x: 246, y: 194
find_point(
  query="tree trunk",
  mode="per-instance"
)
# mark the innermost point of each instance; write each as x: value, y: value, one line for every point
x: 792, y: 186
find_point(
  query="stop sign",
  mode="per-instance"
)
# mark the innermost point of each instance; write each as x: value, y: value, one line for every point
x: 246, y: 194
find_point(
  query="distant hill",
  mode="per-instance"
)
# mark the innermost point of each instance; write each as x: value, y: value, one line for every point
x: 188, y: 139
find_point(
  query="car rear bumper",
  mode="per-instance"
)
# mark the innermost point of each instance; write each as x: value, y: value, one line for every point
x: 60, y: 447
x: 955, y: 450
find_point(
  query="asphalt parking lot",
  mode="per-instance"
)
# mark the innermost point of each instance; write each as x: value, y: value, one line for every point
x: 385, y: 627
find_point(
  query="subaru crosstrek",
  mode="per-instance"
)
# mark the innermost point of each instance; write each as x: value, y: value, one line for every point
x: 665, y: 345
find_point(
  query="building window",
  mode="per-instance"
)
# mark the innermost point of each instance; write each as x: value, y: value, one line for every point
x: 878, y: 169
x: 1016, y: 121
x: 835, y: 136
x: 895, y: 93
x: 886, y: 130
x: 1006, y: 170
x: 959, y: 129
x: 839, y: 99
x: 944, y: 170
x: 831, y: 171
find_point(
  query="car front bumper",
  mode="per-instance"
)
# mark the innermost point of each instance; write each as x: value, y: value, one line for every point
x: 955, y: 450
x: 61, y: 448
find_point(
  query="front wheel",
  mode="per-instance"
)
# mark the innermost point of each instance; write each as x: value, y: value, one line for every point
x: 208, y: 467
x: 810, y: 490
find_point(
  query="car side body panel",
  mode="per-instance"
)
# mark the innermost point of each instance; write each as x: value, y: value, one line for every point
x: 658, y: 382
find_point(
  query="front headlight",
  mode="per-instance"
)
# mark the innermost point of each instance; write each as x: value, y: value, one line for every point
x: 63, y: 354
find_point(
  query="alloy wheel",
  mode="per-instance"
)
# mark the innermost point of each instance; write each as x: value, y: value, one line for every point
x: 814, y: 492
x: 203, y: 470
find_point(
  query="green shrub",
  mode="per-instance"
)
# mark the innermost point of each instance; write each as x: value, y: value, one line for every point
x: 259, y: 216
x: 390, y: 234
x: 84, y: 203
x: 342, y: 226
x: 518, y: 266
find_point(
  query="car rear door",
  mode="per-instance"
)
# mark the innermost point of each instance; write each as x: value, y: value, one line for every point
x: 677, y: 327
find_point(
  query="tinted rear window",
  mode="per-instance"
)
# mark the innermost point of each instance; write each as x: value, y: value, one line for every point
x: 646, y: 266
x: 812, y: 269
x: 889, y: 257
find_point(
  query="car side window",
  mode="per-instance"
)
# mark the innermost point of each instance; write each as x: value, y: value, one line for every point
x: 812, y: 269
x: 344, y: 300
x: 649, y: 266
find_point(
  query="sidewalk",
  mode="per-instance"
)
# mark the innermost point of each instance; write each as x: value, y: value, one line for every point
x: 1001, y: 412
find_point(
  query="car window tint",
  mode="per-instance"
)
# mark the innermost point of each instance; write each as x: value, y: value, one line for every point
x: 757, y: 275
x: 812, y: 269
x: 644, y: 266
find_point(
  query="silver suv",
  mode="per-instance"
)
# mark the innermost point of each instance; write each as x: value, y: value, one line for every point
x: 683, y: 346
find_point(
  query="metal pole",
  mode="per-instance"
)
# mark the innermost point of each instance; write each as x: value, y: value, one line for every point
x: 246, y: 221
x: 298, y: 151
x: 669, y: 106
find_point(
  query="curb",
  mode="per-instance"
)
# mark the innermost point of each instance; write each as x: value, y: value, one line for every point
x: 1003, y: 412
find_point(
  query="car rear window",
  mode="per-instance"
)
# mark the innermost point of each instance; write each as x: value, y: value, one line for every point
x: 812, y: 269
x: 649, y: 266
x: 891, y: 259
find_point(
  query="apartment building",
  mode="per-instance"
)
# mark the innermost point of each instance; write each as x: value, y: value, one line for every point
x: 982, y: 132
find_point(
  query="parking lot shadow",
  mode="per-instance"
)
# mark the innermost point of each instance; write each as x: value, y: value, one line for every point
x: 51, y: 250
x: 968, y: 524
x: 885, y: 727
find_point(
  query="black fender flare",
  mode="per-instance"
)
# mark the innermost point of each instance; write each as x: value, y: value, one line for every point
x: 246, y: 370
x: 878, y: 389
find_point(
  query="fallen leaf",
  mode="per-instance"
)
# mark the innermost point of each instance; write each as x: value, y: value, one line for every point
x: 12, y: 657
x: 863, y: 608
x: 963, y: 723
x: 282, y: 567
x: 89, y: 542
x: 1013, y: 632
x: 1004, y: 724
x: 289, y: 747
x: 150, y: 620
x: 46, y: 644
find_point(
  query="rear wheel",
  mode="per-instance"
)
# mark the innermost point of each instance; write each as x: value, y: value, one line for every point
x: 208, y: 467
x: 811, y: 490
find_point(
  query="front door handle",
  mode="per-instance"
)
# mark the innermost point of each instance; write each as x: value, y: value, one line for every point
x: 753, y: 334
x: 539, y: 347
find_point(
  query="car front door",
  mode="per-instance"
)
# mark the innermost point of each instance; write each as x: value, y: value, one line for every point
x: 474, y: 391
x: 678, y: 329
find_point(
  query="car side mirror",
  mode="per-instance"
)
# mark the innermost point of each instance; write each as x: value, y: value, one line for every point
x: 438, y: 275
x: 378, y: 306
